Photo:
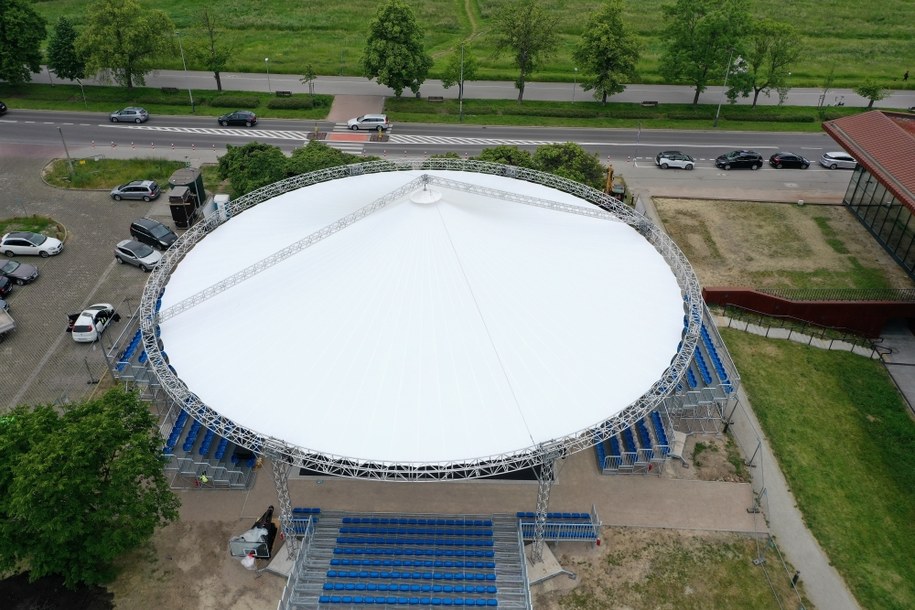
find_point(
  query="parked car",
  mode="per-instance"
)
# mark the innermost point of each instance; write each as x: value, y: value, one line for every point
x: 4, y: 306
x: 674, y: 158
x: 20, y: 273
x: 6, y: 286
x: 239, y: 117
x: 26, y: 242
x: 838, y: 160
x: 788, y: 159
x: 152, y: 232
x: 147, y: 190
x: 372, y: 122
x: 740, y: 158
x: 131, y: 114
x: 2, y: 108
x: 88, y: 326
x: 137, y: 254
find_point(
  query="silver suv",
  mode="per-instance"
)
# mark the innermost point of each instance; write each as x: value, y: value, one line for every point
x: 147, y: 190
x: 130, y: 115
x: 374, y: 122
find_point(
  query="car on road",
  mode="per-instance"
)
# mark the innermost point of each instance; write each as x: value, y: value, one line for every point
x: 739, y: 159
x: 788, y: 159
x: 6, y: 286
x: 88, y: 326
x: 147, y: 190
x: 152, y: 232
x: 674, y: 158
x: 20, y: 273
x: 2, y: 108
x: 838, y: 160
x: 131, y: 114
x: 372, y: 122
x: 28, y: 243
x: 137, y: 254
x: 239, y: 117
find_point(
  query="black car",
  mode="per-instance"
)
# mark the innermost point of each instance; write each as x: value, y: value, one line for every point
x: 152, y: 232
x: 6, y: 286
x: 2, y: 108
x: 788, y: 159
x: 21, y: 273
x: 739, y: 158
x: 239, y: 117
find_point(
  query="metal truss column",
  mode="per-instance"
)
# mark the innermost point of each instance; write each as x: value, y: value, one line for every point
x: 544, y: 487
x: 281, y: 469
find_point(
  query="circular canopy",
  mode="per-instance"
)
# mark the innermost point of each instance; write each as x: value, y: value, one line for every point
x: 478, y: 319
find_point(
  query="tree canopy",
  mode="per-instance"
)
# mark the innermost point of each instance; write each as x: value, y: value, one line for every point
x: 81, y: 486
x: 394, y: 54
x: 22, y: 31
x: 121, y: 40
x: 701, y: 37
x: 568, y: 160
x: 252, y: 166
x: 507, y: 155
x: 770, y: 50
x: 524, y: 29
x: 872, y: 91
x: 63, y: 58
x: 607, y: 52
x: 461, y: 67
x: 318, y: 155
x: 208, y: 47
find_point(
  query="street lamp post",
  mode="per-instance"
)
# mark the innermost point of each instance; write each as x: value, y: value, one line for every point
x: 726, y: 74
x: 184, y: 63
x: 267, y: 63
x: 461, y: 89
x: 574, y: 83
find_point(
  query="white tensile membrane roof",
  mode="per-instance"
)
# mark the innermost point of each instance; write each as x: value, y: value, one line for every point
x: 466, y: 328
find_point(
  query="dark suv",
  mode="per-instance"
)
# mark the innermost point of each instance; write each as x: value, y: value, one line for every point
x: 740, y: 158
x: 152, y: 232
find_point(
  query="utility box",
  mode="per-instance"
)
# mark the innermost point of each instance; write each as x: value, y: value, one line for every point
x: 181, y: 204
x: 192, y: 180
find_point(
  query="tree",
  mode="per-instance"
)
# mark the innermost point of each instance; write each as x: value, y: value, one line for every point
x: 121, y: 40
x: 507, y: 155
x: 63, y: 59
x: 252, y: 166
x: 607, y: 52
x: 462, y: 66
x: 21, y: 32
x: 209, y: 50
x: 524, y: 29
x: 571, y: 161
x: 308, y: 78
x: 872, y: 91
x: 80, y: 487
x: 771, y: 49
x: 701, y: 36
x: 394, y: 53
x: 317, y: 155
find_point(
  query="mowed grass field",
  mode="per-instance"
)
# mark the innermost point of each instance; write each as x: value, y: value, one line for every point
x: 851, y: 39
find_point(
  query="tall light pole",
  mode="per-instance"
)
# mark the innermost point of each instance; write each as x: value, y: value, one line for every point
x: 726, y: 74
x: 461, y: 89
x: 574, y: 83
x: 184, y: 63
x: 267, y: 63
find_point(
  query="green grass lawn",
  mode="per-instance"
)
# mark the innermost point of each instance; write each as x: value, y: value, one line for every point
x: 846, y: 444
x: 108, y: 173
x: 855, y: 39
x: 35, y: 224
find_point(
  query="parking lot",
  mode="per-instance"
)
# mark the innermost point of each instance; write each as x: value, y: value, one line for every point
x: 40, y: 362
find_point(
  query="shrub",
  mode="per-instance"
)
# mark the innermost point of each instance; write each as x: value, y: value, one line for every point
x: 299, y: 102
x: 234, y: 101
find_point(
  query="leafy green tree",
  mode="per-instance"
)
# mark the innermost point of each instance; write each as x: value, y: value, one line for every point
x: 63, y: 59
x: 21, y: 32
x: 461, y: 67
x: 507, y: 155
x: 317, y: 155
x: 771, y: 48
x: 701, y: 36
x: 308, y: 78
x: 571, y: 161
x: 252, y: 166
x: 122, y: 40
x: 394, y: 53
x: 80, y: 487
x: 607, y: 52
x: 524, y: 29
x: 871, y: 90
x: 209, y: 49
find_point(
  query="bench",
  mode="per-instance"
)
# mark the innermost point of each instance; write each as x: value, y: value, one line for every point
x: 169, y: 89
x: 650, y: 103
x: 283, y: 93
x: 435, y: 98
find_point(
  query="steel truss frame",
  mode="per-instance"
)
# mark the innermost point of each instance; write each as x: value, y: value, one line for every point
x: 475, y: 467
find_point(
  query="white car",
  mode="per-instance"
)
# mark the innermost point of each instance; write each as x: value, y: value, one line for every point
x: 373, y: 122
x: 674, y: 158
x: 137, y: 254
x: 838, y: 160
x: 26, y: 242
x: 89, y: 325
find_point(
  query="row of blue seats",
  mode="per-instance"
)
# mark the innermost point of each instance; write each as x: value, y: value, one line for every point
x: 398, y: 541
x: 397, y: 575
x: 418, y: 563
x: 408, y: 601
x: 191, y: 437
x: 223, y: 444
x: 418, y: 521
x: 416, y: 552
x: 308, y: 510
x: 415, y: 531
x: 127, y: 354
x: 716, y: 359
x: 575, y: 516
x: 361, y: 586
x: 177, y: 429
x: 659, y: 432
